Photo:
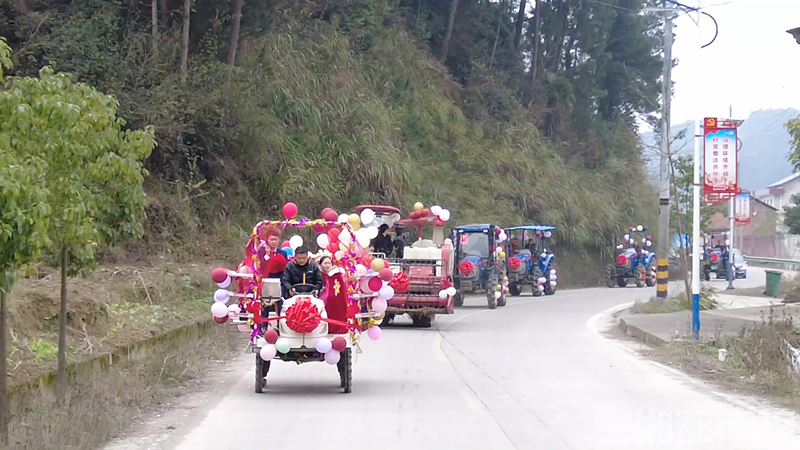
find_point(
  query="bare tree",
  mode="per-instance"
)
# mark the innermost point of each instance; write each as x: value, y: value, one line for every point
x: 187, y: 11
x: 154, y: 23
x: 520, y: 21
x: 449, y: 33
x: 536, y: 38
x: 233, y: 41
x: 501, y: 10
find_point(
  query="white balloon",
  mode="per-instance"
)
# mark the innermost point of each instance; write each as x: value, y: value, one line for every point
x: 332, y: 357
x: 443, y: 294
x: 640, y: 228
x: 219, y: 310
x: 363, y: 239
x: 295, y: 241
x: 372, y: 231
x: 345, y: 237
x: 323, y: 241
x: 361, y: 270
x: 342, y: 218
x: 627, y: 236
x: 225, y: 283
x: 451, y: 291
x: 367, y: 216
x: 436, y: 210
x: 379, y: 305
x: 268, y: 352
x: 547, y: 234
x: 444, y: 215
x: 649, y: 243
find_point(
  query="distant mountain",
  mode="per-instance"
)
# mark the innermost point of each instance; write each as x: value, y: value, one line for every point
x: 765, y: 144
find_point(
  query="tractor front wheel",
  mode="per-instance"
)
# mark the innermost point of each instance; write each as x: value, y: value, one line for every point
x: 622, y: 281
x: 638, y: 273
x: 514, y: 289
x: 610, y: 277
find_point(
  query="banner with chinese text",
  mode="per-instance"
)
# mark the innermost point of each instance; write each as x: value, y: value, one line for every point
x: 720, y: 160
x: 741, y: 209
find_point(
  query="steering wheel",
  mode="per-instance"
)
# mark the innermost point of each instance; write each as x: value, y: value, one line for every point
x: 304, y: 288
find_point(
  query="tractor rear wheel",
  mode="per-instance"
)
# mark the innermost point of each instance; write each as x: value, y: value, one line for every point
x: 514, y: 289
x: 622, y: 281
x: 458, y: 300
x: 610, y: 280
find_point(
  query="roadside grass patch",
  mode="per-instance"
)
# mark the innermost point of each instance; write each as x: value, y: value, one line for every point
x: 677, y: 302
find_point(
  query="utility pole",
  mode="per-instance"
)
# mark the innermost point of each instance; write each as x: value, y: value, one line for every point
x: 662, y: 256
x: 698, y: 146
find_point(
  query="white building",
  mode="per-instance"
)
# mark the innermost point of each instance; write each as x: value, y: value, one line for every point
x: 779, y: 195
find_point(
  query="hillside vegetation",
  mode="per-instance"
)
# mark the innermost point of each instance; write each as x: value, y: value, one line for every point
x: 484, y: 107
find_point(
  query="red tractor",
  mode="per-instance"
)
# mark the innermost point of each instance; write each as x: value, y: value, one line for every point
x: 423, y: 270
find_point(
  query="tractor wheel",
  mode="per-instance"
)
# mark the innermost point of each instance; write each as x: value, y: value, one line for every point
x: 549, y: 289
x: 262, y: 368
x: 610, y: 278
x: 346, y: 371
x: 622, y: 281
x: 639, y: 274
x: 514, y: 289
x: 535, y: 290
x: 458, y: 300
x: 652, y: 276
x: 422, y: 320
x: 490, y: 300
x: 502, y: 300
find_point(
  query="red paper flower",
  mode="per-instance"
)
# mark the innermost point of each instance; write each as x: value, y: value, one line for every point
x: 466, y: 267
x: 400, y: 282
x: 303, y: 317
x: 514, y: 263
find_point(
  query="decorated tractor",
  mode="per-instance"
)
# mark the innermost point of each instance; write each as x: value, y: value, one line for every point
x: 422, y: 271
x: 530, y: 262
x: 304, y: 315
x: 715, y: 260
x: 480, y: 263
x: 632, y: 260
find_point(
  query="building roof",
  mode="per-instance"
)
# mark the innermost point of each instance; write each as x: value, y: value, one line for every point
x: 785, y: 180
x: 765, y: 204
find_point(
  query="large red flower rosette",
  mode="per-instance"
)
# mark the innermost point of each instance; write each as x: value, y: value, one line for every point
x: 303, y: 317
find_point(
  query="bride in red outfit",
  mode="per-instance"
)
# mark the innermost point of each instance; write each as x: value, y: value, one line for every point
x: 334, y: 294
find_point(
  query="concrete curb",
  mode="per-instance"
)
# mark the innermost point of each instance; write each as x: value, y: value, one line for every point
x: 638, y: 333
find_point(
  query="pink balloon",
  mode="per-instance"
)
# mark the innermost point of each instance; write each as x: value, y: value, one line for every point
x: 365, y: 286
x: 386, y: 293
x: 374, y: 333
x: 379, y: 305
x: 289, y: 210
x: 332, y: 357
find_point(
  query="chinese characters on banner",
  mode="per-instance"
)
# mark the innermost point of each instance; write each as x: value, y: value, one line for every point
x: 741, y: 208
x: 720, y: 159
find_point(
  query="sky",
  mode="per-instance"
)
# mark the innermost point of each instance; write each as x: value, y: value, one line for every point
x: 753, y: 64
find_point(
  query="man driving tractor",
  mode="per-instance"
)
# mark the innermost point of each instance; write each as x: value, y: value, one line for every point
x: 301, y: 271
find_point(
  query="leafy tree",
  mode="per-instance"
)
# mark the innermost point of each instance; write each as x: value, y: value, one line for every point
x: 93, y: 173
x: 791, y: 217
x: 24, y: 218
x: 793, y: 126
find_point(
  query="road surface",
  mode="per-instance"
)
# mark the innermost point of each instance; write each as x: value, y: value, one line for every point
x: 536, y: 374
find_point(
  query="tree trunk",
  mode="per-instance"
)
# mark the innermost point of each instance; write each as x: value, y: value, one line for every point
x: 519, y: 23
x: 61, y: 384
x: 187, y: 10
x: 154, y: 24
x: 449, y: 33
x: 687, y: 282
x: 165, y: 19
x: 233, y: 41
x: 4, y: 412
x: 500, y: 12
x: 536, y: 37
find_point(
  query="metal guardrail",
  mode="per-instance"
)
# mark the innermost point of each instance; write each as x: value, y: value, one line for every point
x: 791, y: 264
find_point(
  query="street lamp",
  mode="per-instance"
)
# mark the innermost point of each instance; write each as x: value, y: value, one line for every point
x: 796, y: 33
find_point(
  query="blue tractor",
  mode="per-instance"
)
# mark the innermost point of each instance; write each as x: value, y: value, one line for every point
x: 530, y: 263
x: 633, y: 259
x: 478, y: 265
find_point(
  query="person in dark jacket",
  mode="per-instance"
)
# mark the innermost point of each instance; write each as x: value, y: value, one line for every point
x: 301, y: 271
x: 383, y: 243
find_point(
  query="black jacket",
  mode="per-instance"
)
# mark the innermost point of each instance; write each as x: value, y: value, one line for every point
x: 293, y: 274
x: 383, y: 244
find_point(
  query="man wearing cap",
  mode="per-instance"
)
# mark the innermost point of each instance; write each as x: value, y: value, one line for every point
x: 272, y: 261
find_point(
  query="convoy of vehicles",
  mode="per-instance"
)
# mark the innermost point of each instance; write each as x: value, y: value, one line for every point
x: 479, y: 264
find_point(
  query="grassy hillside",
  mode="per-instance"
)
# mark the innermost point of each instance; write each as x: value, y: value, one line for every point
x: 336, y: 106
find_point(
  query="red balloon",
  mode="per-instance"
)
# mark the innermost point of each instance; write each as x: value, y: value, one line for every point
x: 426, y: 212
x: 329, y: 215
x: 219, y: 275
x: 339, y: 344
x: 221, y: 319
x: 386, y: 274
x: 333, y: 234
x: 375, y: 284
x: 333, y: 247
x: 289, y: 210
x: 318, y: 227
x: 271, y: 336
x: 285, y: 244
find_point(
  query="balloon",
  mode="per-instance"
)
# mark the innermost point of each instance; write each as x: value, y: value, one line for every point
x: 219, y: 310
x: 318, y: 227
x: 339, y: 344
x: 332, y: 357
x: 541, y: 280
x: 418, y: 206
x: 323, y: 241
x: 243, y: 328
x: 640, y: 228
x: 225, y: 284
x: 268, y: 352
x: 288, y: 250
x: 219, y: 275
x: 627, y: 236
x: 246, y: 270
x: 365, y: 286
x: 339, y: 254
x: 386, y: 274
x: 374, y: 284
x: 362, y: 237
x: 426, y: 212
x: 367, y: 216
x: 436, y: 210
x: 345, y: 237
x: 443, y: 294
x: 451, y: 291
x: 283, y: 345
x: 372, y: 232
x: 378, y: 264
x: 497, y: 294
x: 374, y: 333
x: 541, y: 288
x: 547, y: 234
x: 329, y: 215
x: 234, y: 308
x: 343, y: 247
x: 354, y: 221
x: 289, y: 210
x: 360, y: 270
x: 342, y: 218
x: 271, y: 336
x: 502, y: 254
x: 648, y: 243
x: 445, y: 215
x: 323, y: 345
x: 379, y: 305
x: 221, y: 295
x: 295, y: 241
x: 333, y: 247
x: 221, y: 319
x: 553, y: 284
x: 503, y: 236
x: 285, y: 244
x: 386, y: 293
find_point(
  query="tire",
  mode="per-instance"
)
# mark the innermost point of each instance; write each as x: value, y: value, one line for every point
x: 422, y: 320
x: 652, y: 276
x: 707, y: 275
x: 622, y: 281
x: 639, y: 274
x: 346, y: 375
x: 262, y: 369
x: 549, y: 289
x: 535, y: 290
x: 491, y: 301
x: 458, y: 300
x: 514, y: 289
x: 610, y: 278
x: 502, y: 300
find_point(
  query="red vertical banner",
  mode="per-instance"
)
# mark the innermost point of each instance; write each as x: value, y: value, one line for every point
x: 720, y: 158
x: 741, y: 212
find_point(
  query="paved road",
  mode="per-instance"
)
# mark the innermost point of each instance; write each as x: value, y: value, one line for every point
x: 535, y: 374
